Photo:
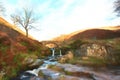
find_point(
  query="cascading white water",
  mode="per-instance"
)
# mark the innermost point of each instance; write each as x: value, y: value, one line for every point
x: 53, y: 52
x: 60, y: 53
x: 35, y: 72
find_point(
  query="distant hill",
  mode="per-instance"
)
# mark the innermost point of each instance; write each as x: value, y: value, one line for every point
x: 97, y: 34
x: 100, y: 33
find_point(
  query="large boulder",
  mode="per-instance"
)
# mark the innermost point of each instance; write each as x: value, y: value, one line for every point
x: 29, y: 60
x: 32, y: 62
x: 69, y: 55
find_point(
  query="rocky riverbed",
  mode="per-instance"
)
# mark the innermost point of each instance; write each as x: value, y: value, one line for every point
x: 52, y: 70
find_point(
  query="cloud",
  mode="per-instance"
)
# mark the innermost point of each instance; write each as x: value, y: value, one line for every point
x: 90, y: 14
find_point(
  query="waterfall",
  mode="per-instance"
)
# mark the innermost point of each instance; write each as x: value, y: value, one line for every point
x: 60, y: 53
x: 53, y: 52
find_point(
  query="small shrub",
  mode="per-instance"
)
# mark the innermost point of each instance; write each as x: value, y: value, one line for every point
x: 3, y: 63
x: 76, y: 44
x: 5, y: 78
x: 11, y: 71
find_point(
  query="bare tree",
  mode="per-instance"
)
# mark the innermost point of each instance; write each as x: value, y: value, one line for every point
x: 117, y: 7
x: 26, y: 20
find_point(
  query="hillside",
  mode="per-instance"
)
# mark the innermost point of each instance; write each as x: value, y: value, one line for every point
x: 97, y: 34
x: 16, y: 48
x: 3, y: 22
x: 100, y: 33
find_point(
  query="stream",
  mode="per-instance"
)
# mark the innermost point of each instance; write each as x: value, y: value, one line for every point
x: 78, y: 72
x: 101, y: 74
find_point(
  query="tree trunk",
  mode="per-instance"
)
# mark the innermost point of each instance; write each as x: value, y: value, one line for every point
x: 26, y: 32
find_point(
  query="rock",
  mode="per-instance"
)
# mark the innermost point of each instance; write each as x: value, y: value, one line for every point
x: 36, y: 64
x: 69, y: 55
x: 95, y: 50
x: 73, y: 72
x: 66, y: 57
x: 29, y: 59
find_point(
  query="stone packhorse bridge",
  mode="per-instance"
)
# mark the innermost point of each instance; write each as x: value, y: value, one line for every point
x: 51, y: 44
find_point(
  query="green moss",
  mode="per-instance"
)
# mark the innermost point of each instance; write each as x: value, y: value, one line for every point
x: 14, y: 72
x: 3, y: 48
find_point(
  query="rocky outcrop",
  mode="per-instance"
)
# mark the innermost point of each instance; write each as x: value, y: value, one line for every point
x: 95, y: 50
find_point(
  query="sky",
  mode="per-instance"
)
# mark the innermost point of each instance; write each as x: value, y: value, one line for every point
x: 57, y: 17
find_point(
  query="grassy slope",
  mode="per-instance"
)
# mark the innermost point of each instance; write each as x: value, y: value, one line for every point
x: 15, y: 48
x: 5, y: 23
x: 14, y: 27
x: 73, y: 45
